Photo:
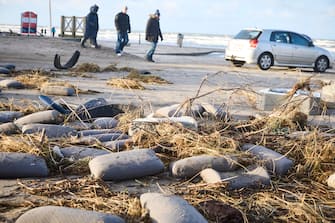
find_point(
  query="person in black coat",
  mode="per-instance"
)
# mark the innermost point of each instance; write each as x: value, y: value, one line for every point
x: 122, y: 25
x: 152, y: 32
x: 92, y: 27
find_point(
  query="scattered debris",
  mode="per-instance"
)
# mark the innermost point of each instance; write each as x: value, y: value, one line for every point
x: 73, y: 60
x: 125, y: 83
x: 288, y: 179
x: 134, y: 79
x: 33, y: 79
x: 148, y: 79
x: 87, y: 67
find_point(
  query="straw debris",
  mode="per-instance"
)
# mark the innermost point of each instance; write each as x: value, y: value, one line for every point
x: 33, y: 79
x: 134, y: 79
x: 110, y: 68
x: 83, y: 193
x: 24, y: 106
x: 299, y: 196
x: 125, y: 83
x: 127, y: 69
x: 18, y: 144
x: 148, y: 79
x: 87, y: 67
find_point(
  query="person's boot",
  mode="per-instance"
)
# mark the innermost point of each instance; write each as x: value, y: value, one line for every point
x: 96, y: 46
x: 82, y: 44
x: 150, y: 59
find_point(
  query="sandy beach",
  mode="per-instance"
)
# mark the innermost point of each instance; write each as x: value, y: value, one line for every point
x: 177, y: 65
x: 188, y: 70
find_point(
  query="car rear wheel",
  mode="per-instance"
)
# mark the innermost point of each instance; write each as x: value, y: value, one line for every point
x: 321, y: 64
x: 265, y: 61
x: 237, y: 63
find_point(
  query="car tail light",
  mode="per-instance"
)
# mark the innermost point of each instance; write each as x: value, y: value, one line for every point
x: 253, y: 43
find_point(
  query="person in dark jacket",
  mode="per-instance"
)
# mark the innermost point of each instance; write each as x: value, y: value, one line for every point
x: 152, y: 32
x: 92, y: 27
x: 122, y: 25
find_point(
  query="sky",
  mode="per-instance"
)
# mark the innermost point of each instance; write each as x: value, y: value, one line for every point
x: 315, y: 18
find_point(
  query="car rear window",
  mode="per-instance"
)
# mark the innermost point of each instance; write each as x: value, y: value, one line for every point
x: 248, y: 34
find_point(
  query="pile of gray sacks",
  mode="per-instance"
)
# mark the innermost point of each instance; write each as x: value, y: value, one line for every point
x: 98, y: 121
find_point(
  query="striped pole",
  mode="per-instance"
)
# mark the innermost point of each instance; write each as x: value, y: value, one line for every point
x: 50, y: 18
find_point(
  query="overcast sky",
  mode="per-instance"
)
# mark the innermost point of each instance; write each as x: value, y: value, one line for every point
x: 315, y: 18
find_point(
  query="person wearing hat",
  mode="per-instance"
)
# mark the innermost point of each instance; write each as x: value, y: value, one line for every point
x: 122, y: 25
x: 152, y: 32
x: 92, y: 27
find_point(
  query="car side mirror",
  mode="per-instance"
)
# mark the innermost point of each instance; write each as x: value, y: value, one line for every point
x: 310, y: 44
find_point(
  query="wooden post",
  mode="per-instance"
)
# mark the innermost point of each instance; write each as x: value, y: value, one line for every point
x: 84, y: 24
x: 73, y: 26
x: 62, y: 25
x: 139, y: 39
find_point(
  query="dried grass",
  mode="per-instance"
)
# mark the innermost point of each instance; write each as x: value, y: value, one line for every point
x: 38, y: 79
x: 87, y: 67
x: 304, y: 84
x: 148, y: 79
x: 114, y: 68
x: 19, y: 144
x: 79, y: 167
x: 111, y: 68
x: 125, y: 83
x: 126, y: 118
x: 134, y: 79
x: 35, y: 71
x: 24, y: 106
x: 127, y: 69
x: 80, y: 74
x: 83, y: 193
x: 181, y: 143
x: 299, y: 196
x: 33, y: 79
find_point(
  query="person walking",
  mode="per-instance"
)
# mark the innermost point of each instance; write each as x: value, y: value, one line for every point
x: 92, y: 27
x: 122, y: 25
x: 152, y: 32
x: 53, y: 31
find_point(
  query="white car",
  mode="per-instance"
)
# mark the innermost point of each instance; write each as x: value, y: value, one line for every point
x: 266, y: 48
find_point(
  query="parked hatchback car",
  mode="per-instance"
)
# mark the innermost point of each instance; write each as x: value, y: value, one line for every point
x: 266, y: 48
